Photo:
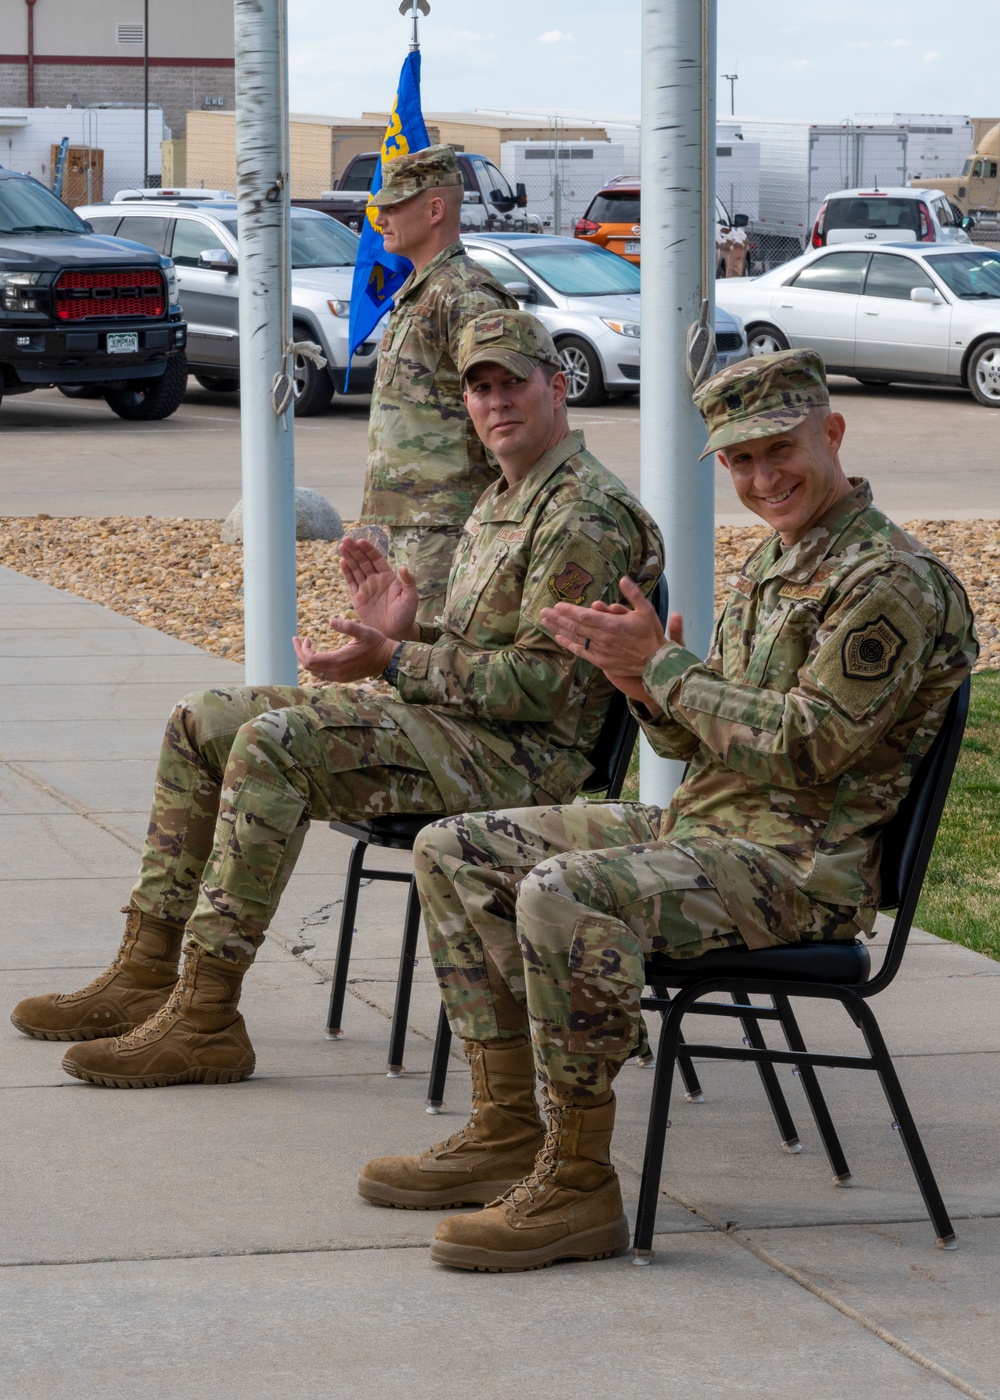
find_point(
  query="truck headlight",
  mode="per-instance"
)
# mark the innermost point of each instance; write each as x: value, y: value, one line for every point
x: 15, y: 291
x: 340, y: 308
x: 630, y: 328
x: 173, y: 286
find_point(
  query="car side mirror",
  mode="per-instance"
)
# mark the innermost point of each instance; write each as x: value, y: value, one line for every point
x: 740, y: 220
x: 217, y: 260
x: 927, y: 296
x: 522, y: 195
x: 968, y: 223
x: 524, y: 291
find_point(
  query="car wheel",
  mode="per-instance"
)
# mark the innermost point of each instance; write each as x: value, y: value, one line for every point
x: 148, y: 400
x: 81, y: 391
x: 218, y: 384
x: 983, y: 372
x: 765, y: 340
x: 313, y: 387
x: 582, y: 368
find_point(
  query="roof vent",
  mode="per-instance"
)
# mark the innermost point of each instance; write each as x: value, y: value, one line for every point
x: 129, y: 33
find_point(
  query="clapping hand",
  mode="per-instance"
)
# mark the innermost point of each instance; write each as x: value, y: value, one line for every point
x: 382, y: 598
x: 366, y: 655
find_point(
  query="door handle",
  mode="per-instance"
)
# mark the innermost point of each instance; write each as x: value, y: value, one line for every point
x: 871, y: 313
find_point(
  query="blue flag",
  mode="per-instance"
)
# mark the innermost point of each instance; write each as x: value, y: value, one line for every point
x: 378, y: 275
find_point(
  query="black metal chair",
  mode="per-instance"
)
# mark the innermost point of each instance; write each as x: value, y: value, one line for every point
x: 398, y: 831
x: 828, y: 971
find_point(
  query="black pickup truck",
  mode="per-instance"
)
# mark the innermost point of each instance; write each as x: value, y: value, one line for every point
x: 489, y: 204
x: 92, y: 315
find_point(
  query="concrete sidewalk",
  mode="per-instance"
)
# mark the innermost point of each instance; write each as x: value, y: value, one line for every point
x: 208, y: 1241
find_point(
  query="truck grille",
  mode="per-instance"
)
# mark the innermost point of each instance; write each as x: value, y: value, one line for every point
x: 79, y: 295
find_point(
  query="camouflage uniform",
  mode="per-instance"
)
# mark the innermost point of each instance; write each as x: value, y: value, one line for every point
x: 426, y: 466
x: 829, y: 673
x: 490, y: 711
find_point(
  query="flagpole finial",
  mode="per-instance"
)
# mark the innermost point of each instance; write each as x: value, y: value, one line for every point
x: 414, y: 8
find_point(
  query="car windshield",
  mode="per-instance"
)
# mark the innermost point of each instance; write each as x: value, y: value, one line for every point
x: 28, y: 207
x: 317, y: 241
x: 973, y: 276
x: 582, y: 271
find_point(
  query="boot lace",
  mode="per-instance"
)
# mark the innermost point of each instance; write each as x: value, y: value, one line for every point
x: 161, y: 1018
x: 116, y: 964
x: 548, y: 1161
x: 458, y: 1137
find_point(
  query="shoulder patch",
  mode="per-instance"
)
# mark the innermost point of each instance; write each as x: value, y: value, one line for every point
x: 869, y: 653
x: 570, y: 585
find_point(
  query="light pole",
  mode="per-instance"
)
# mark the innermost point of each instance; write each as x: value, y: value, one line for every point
x: 731, y: 79
x: 145, y: 94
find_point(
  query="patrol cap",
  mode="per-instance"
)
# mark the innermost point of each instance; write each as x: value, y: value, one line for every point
x: 515, y: 339
x: 433, y: 168
x: 761, y: 397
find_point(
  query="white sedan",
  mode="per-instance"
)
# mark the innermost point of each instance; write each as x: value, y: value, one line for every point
x: 908, y: 312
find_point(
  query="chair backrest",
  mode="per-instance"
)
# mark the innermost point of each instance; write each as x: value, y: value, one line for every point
x: 907, y: 841
x: 612, y: 753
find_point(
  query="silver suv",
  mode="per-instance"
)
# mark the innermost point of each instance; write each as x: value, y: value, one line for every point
x: 200, y: 236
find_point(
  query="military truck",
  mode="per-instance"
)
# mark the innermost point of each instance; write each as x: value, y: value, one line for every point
x: 977, y: 190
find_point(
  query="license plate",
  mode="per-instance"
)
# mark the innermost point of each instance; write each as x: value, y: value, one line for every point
x: 122, y: 342
x: 635, y: 247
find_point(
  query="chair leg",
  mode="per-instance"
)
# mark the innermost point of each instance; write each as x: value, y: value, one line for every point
x: 907, y: 1128
x: 692, y: 1086
x: 814, y: 1094
x: 656, y: 1131
x: 341, y: 967
x: 779, y: 1107
x: 439, y: 1064
x: 404, y: 984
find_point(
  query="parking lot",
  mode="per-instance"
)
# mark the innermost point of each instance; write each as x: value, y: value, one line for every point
x: 929, y: 453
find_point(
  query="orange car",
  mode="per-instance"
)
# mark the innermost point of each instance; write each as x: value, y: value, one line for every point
x: 612, y: 220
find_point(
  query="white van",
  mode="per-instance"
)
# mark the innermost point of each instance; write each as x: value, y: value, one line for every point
x: 894, y: 215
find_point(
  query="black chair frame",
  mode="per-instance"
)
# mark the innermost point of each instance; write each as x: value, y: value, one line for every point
x: 398, y: 831
x: 827, y: 971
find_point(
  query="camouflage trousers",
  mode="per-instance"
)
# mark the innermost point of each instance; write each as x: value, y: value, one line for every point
x: 240, y: 774
x: 541, y: 919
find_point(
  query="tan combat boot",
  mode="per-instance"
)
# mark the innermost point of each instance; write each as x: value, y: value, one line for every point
x: 127, y: 993
x: 495, y: 1148
x: 569, y: 1207
x: 196, y: 1037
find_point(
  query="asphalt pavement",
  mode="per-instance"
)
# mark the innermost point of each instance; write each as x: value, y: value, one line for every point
x: 208, y: 1241
x: 929, y: 453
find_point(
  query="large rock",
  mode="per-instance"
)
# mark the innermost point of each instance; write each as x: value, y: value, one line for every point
x: 315, y: 519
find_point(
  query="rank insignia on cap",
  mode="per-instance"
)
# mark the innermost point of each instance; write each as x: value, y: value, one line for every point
x: 489, y: 330
x: 870, y: 652
x: 569, y: 586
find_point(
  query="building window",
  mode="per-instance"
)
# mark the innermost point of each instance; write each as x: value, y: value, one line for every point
x: 129, y: 33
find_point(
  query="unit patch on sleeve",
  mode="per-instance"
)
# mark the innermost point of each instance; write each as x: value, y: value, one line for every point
x: 870, y: 652
x: 569, y: 586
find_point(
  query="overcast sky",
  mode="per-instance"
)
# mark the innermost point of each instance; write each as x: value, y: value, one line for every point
x: 795, y: 58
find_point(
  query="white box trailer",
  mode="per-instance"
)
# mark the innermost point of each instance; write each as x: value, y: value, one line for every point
x: 584, y: 168
x: 802, y: 162
x: 737, y: 171
x: 937, y: 146
x: 29, y: 133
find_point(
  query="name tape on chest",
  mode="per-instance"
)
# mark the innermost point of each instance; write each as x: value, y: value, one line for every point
x: 512, y: 536
x: 869, y: 653
x: 741, y: 584
x: 803, y: 590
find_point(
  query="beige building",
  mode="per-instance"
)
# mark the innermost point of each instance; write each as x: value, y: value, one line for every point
x: 319, y: 149
x: 59, y: 53
x: 485, y: 133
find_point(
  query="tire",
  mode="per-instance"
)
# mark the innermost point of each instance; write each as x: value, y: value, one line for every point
x: 982, y: 374
x: 81, y: 391
x: 152, y: 399
x: 313, y: 387
x: 584, y: 376
x: 765, y: 340
x: 218, y: 384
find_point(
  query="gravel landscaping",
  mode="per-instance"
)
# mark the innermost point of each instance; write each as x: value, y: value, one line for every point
x: 177, y: 575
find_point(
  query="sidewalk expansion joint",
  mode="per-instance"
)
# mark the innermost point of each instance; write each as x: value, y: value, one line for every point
x: 262, y: 1251
x: 72, y: 803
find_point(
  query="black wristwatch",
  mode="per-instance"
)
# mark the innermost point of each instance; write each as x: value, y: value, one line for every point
x: 391, y: 672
